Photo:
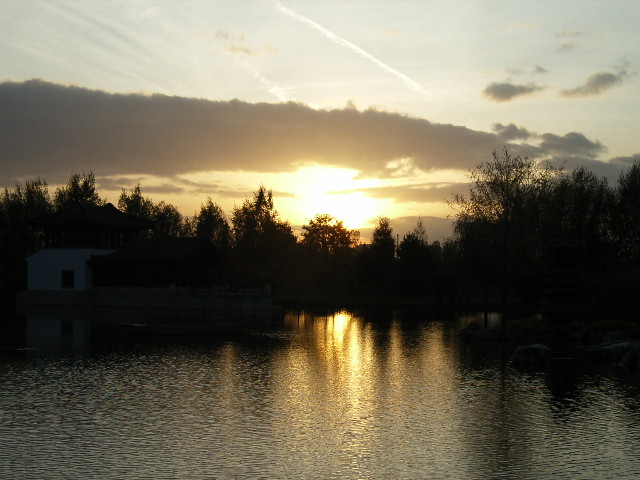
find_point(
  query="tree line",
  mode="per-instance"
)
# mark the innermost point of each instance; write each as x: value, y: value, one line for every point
x: 526, y: 228
x: 516, y: 212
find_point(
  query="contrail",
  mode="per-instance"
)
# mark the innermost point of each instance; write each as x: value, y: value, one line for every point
x: 412, y: 84
x: 282, y: 93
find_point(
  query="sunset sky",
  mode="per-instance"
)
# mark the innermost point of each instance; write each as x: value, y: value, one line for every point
x: 350, y: 107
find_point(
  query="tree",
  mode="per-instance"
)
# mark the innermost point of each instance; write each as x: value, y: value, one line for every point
x: 262, y: 242
x: 579, y: 211
x: 167, y: 220
x: 325, y: 235
x: 253, y: 219
x: 626, y: 214
x: 328, y: 250
x: 134, y: 203
x: 376, y: 263
x: 414, y: 261
x: 80, y: 189
x: 17, y: 238
x: 382, y: 238
x: 504, y: 204
x: 210, y: 224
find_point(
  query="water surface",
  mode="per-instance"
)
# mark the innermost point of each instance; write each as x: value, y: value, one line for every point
x: 331, y: 396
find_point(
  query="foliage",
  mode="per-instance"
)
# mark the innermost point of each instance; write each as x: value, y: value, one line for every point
x: 579, y: 211
x: 262, y: 242
x: 167, y: 220
x: 415, y: 264
x: 626, y: 213
x: 376, y: 264
x: 327, y: 252
x: 325, y: 235
x: 515, y: 213
x: 80, y: 189
x: 382, y: 240
x: 134, y: 203
x: 499, y: 221
x: 17, y: 238
x: 210, y: 224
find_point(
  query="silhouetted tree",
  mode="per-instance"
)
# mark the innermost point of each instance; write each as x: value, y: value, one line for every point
x: 327, y: 246
x: 503, y: 204
x: 478, y: 243
x: 376, y: 262
x: 262, y: 242
x: 134, y: 203
x: 325, y: 235
x: 17, y: 238
x: 210, y: 224
x: 626, y: 213
x: 447, y: 267
x: 382, y: 240
x: 167, y: 220
x: 80, y: 189
x: 579, y: 211
x: 414, y: 261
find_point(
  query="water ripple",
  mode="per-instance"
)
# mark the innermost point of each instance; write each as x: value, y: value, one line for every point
x: 342, y: 399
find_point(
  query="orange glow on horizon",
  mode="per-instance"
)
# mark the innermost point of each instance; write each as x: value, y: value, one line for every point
x: 298, y: 196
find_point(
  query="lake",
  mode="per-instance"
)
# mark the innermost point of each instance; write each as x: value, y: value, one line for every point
x: 330, y: 395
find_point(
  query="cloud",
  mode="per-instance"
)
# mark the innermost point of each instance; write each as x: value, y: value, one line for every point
x: 573, y: 144
x: 237, y: 45
x: 512, y: 132
x: 625, y: 162
x: 51, y: 130
x: 569, y: 34
x: 504, y: 92
x: 537, y: 70
x: 596, y: 84
x: 423, y: 192
x: 568, y: 46
x: 573, y: 150
x: 241, y: 49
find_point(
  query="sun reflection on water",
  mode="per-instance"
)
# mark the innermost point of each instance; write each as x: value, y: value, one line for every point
x: 361, y: 377
x: 334, y: 395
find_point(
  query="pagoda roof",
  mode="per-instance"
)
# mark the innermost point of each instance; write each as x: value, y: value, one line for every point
x: 101, y: 216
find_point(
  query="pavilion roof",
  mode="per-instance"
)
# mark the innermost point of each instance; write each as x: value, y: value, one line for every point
x: 101, y: 216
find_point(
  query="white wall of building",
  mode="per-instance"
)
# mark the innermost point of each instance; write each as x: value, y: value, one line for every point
x: 45, y: 268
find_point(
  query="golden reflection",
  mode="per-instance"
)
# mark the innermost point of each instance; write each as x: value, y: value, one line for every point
x: 360, y: 387
x: 338, y: 325
x: 333, y: 378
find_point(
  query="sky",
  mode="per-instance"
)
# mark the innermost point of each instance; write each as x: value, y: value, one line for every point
x: 355, y: 108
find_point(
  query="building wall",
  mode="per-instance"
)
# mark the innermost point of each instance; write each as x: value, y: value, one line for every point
x: 61, y: 268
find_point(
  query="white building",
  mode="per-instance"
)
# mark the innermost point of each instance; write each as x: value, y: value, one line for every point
x: 71, y: 238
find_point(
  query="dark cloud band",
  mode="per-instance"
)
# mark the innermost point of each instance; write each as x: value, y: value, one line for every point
x: 51, y: 130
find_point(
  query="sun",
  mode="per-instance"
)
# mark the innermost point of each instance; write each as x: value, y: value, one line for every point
x: 355, y: 209
x: 336, y: 192
x: 310, y: 190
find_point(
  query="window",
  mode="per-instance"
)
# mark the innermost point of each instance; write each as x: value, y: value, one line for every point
x: 67, y: 278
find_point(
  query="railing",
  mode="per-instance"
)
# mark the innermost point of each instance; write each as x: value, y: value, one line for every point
x: 224, y: 291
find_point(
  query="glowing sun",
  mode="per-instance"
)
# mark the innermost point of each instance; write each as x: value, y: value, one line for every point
x: 335, y: 192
